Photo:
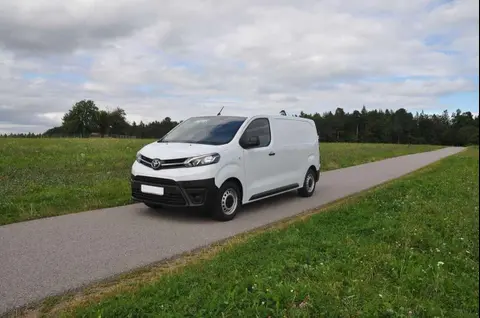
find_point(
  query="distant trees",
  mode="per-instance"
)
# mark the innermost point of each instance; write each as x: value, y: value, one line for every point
x: 117, y: 120
x: 22, y: 135
x: 113, y: 122
x: 103, y: 122
x: 85, y: 118
x: 81, y: 119
x: 373, y: 126
x: 400, y: 126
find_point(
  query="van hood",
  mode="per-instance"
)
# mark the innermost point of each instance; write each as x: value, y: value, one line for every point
x: 174, y: 150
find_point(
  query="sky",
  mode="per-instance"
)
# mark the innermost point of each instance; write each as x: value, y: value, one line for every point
x: 158, y: 58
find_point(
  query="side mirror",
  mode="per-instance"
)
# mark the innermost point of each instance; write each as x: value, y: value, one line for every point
x: 253, y: 141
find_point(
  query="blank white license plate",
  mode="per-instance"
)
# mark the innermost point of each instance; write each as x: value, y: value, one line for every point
x: 152, y: 190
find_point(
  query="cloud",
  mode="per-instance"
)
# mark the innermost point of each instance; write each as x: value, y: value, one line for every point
x: 177, y: 59
x: 55, y: 26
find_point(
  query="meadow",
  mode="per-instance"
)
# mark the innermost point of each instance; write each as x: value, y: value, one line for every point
x: 405, y: 249
x: 49, y: 177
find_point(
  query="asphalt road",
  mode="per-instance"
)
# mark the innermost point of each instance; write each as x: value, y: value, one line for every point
x: 49, y: 256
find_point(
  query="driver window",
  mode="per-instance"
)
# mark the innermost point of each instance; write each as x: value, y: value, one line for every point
x: 259, y: 127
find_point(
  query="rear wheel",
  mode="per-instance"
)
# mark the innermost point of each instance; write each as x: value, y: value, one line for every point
x: 227, y: 202
x: 309, y: 184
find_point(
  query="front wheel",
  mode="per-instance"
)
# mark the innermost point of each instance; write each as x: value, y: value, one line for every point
x: 309, y: 184
x: 227, y: 202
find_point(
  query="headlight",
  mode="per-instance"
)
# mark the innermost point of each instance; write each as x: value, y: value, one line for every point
x: 139, y: 156
x: 203, y: 160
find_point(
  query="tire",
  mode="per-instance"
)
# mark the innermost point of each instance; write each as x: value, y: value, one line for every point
x: 309, y: 184
x: 227, y: 203
x: 153, y: 206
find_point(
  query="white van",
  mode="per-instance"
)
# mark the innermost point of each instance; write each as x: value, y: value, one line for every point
x: 224, y: 162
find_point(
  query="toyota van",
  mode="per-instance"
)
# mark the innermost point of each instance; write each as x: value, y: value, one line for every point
x: 221, y: 163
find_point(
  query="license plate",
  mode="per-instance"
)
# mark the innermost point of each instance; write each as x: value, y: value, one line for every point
x: 152, y: 190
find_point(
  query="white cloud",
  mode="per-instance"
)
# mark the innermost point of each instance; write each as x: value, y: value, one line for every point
x: 185, y: 58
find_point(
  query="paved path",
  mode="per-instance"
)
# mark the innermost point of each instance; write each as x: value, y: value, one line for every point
x: 49, y: 256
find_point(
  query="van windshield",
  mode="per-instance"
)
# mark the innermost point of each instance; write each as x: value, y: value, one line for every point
x: 212, y: 130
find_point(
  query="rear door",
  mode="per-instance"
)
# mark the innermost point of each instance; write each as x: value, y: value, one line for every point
x: 259, y: 162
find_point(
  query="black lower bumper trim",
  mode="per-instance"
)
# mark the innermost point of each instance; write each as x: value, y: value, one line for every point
x: 193, y: 193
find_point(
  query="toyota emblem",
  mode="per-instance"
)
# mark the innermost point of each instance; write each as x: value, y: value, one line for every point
x: 156, y: 164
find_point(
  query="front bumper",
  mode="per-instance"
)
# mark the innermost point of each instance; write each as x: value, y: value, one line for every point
x: 195, y: 193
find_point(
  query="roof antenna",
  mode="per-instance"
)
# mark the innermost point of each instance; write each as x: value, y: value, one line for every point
x: 220, y: 111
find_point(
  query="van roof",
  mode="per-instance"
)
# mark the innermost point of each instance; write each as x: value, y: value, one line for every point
x: 256, y: 116
x: 281, y: 117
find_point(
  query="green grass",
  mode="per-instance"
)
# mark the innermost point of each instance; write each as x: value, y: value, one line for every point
x: 342, y: 155
x: 48, y: 177
x: 407, y: 249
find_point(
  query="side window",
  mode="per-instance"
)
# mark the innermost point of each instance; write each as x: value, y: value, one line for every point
x: 259, y: 127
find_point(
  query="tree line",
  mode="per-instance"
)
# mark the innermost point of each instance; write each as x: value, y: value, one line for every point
x: 379, y: 126
x: 85, y: 119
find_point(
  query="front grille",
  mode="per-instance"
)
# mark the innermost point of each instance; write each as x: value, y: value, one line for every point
x: 146, y: 159
x: 166, y: 163
x: 175, y: 194
x: 171, y: 196
x: 153, y: 180
x: 174, y: 161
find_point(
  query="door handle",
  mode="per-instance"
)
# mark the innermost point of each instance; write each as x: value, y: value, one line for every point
x: 271, y: 153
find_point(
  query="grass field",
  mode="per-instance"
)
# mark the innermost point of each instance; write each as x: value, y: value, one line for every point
x: 48, y: 177
x: 406, y: 249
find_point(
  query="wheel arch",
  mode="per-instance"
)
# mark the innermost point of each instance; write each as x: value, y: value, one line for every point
x: 314, y: 169
x: 238, y: 183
